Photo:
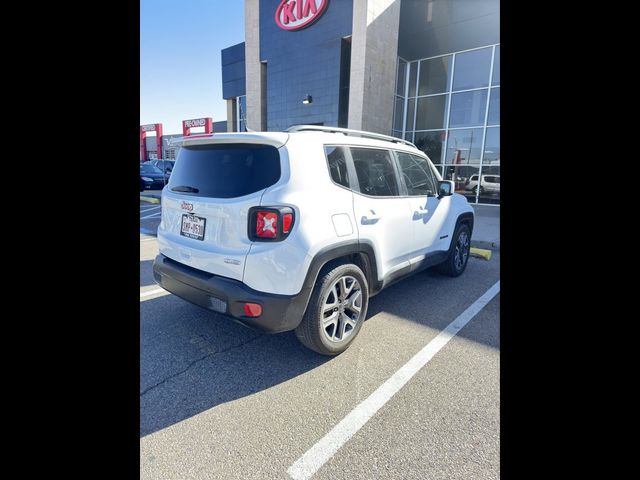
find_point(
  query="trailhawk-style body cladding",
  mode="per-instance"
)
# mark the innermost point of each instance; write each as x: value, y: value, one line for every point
x: 260, y: 217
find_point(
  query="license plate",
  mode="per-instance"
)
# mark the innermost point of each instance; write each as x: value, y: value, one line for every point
x: 192, y: 226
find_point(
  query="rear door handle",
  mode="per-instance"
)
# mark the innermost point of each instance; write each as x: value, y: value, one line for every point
x: 373, y: 218
x: 421, y: 211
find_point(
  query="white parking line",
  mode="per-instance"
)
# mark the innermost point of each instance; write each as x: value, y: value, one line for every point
x: 309, y: 463
x: 159, y: 291
x: 148, y: 208
x: 157, y: 214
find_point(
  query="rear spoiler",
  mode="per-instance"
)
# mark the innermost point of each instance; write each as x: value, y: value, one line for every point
x: 276, y: 139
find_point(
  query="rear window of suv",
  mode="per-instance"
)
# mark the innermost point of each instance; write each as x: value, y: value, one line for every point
x: 225, y: 170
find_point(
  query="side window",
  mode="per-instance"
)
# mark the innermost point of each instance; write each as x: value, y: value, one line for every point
x: 375, y: 172
x: 337, y: 165
x: 417, y: 174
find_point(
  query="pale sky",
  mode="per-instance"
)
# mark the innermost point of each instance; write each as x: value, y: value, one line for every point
x: 180, y: 72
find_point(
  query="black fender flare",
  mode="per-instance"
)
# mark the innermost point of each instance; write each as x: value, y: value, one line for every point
x: 365, y: 254
x: 466, y: 217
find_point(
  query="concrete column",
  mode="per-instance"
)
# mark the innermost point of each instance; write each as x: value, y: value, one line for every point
x: 255, y: 117
x: 374, y: 53
x: 232, y: 115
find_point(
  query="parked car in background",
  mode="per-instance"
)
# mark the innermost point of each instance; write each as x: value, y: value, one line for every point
x: 151, y: 177
x: 165, y: 165
x: 490, y: 183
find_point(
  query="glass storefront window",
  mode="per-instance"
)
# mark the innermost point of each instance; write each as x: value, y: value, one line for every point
x: 451, y: 129
x: 492, y: 147
x: 489, y: 186
x: 400, y: 80
x: 468, y: 109
x: 462, y: 175
x: 494, y: 107
x: 411, y: 105
x: 472, y: 69
x: 435, y: 75
x: 496, y: 67
x: 464, y: 146
x: 397, y: 116
x: 413, y: 76
x: 431, y: 143
x: 242, y: 113
x: 431, y: 112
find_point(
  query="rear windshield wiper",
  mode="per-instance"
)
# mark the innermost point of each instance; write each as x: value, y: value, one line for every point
x: 185, y: 188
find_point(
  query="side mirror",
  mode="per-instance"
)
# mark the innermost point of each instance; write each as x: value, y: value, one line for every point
x: 446, y: 188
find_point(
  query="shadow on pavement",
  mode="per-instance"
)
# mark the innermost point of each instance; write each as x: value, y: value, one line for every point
x: 146, y: 273
x: 419, y: 298
x: 192, y: 360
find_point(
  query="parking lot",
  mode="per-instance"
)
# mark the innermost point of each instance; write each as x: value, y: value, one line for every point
x: 221, y: 401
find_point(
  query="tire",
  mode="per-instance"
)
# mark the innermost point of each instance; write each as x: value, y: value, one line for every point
x: 331, y: 338
x: 458, y: 256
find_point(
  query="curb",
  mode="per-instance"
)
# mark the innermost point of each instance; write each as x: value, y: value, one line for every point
x: 480, y: 252
x: 495, y: 246
x: 144, y: 198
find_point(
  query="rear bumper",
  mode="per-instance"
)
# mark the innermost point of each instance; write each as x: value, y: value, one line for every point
x: 223, y: 295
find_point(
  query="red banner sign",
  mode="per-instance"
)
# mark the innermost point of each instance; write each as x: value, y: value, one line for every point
x: 206, y: 122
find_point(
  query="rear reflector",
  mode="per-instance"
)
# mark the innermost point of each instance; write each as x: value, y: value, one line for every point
x: 287, y: 220
x: 252, y: 309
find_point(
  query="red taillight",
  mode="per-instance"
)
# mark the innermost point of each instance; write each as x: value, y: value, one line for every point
x: 266, y: 224
x: 270, y: 224
x: 252, y: 309
x: 287, y: 220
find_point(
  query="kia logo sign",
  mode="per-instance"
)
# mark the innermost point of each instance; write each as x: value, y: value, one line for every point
x: 199, y: 122
x: 298, y: 14
x: 148, y: 128
x: 187, y: 206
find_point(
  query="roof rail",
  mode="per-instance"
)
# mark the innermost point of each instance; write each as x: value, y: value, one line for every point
x: 349, y: 131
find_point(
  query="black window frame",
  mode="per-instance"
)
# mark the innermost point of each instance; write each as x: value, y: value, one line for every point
x: 354, y: 184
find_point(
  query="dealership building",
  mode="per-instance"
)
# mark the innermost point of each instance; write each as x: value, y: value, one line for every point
x: 424, y: 70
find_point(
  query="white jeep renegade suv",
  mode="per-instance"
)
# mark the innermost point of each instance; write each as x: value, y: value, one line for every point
x: 296, y: 230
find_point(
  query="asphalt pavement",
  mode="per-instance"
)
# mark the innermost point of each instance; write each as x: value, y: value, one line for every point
x: 221, y: 401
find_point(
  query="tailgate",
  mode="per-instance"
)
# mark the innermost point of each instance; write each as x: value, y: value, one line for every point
x: 206, y: 203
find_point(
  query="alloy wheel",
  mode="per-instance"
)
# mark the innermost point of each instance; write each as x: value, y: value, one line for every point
x: 341, y: 308
x: 462, y: 250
